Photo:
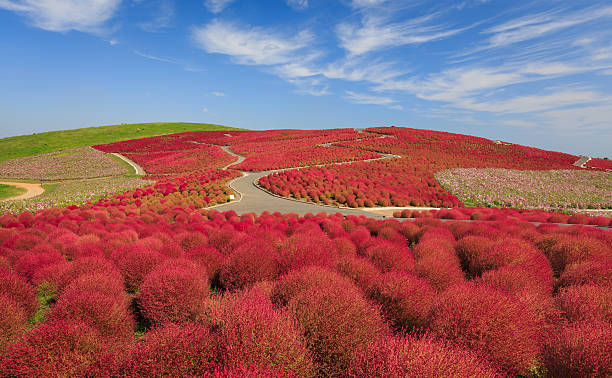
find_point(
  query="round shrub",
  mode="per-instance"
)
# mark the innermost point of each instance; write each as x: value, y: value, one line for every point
x: 301, y: 280
x: 517, y: 280
x: 208, y: 257
x: 336, y: 321
x: 253, y: 332
x: 30, y: 263
x: 360, y: 270
x: 106, y: 314
x: 136, y: 264
x: 586, y: 302
x: 174, y: 293
x: 405, y: 299
x: 409, y: 356
x: 62, y: 348
x: 469, y: 250
x: 184, y: 350
x: 587, y: 272
x: 441, y: 270
x: 580, y: 350
x: 99, y: 282
x: 302, y: 250
x: 388, y: 256
x: 488, y: 319
x: 563, y: 250
x: 20, y: 292
x: 13, y: 321
x: 254, y: 261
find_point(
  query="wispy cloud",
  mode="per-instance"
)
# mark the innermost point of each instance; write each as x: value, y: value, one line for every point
x: 361, y: 98
x: 375, y: 33
x: 218, y: 94
x: 217, y: 6
x: 163, y: 16
x: 250, y: 45
x: 185, y: 66
x: 65, y: 15
x: 298, y: 4
x: 537, y: 25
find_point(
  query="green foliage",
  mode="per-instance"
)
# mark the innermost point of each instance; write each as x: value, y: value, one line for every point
x: 8, y: 191
x: 36, y: 144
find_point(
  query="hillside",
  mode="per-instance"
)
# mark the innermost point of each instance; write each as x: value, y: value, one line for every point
x: 35, y: 144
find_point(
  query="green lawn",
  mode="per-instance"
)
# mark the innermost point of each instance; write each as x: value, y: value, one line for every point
x: 7, y: 191
x: 35, y: 144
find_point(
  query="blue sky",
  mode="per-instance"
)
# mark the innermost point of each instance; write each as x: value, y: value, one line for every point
x: 532, y: 72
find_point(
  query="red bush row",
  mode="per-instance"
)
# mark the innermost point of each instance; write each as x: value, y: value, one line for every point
x: 408, y: 181
x: 497, y: 214
x: 290, y: 158
x: 600, y: 163
x: 313, y: 295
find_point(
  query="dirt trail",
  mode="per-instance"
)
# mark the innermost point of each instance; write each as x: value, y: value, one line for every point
x: 137, y: 168
x: 32, y: 190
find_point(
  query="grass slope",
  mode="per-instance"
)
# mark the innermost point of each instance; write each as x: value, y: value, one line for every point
x: 35, y: 144
x: 7, y: 191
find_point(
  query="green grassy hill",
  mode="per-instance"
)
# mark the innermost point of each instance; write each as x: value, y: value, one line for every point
x: 35, y: 144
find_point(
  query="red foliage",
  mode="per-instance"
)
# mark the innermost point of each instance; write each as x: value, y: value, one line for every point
x: 360, y: 270
x: 388, y: 256
x: 13, y: 321
x: 336, y: 320
x: 600, y: 163
x: 256, y: 260
x: 409, y: 356
x: 587, y: 272
x: 580, y: 350
x: 135, y: 264
x: 302, y: 280
x: 174, y: 292
x: 586, y: 302
x: 62, y: 348
x: 490, y: 320
x: 172, y: 350
x: 253, y: 332
x: 405, y: 299
x: 20, y: 292
x: 103, y: 312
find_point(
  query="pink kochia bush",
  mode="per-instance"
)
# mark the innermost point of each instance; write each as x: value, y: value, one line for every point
x: 174, y: 292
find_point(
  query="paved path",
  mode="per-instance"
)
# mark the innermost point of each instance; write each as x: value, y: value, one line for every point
x: 137, y: 168
x: 32, y: 190
x: 582, y: 161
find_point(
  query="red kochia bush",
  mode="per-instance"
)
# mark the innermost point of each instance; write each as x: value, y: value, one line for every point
x: 306, y: 249
x: 103, y: 312
x: 486, y: 318
x: 63, y: 349
x: 20, y: 292
x: 359, y: 269
x: 301, y: 280
x: 13, y: 321
x: 580, y: 350
x: 388, y: 256
x: 406, y: 299
x: 587, y: 272
x: 586, y: 302
x: 185, y: 350
x: 409, y: 356
x: 135, y: 264
x: 174, y: 292
x: 254, y: 261
x: 469, y: 250
x: 563, y: 250
x: 253, y: 332
x: 437, y: 262
x: 336, y: 321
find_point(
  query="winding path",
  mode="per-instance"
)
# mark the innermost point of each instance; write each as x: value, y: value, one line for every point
x: 137, y: 168
x: 32, y: 190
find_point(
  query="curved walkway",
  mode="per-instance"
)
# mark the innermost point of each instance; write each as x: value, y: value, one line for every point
x: 137, y: 168
x: 32, y: 190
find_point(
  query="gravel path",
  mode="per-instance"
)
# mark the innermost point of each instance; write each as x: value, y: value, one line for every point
x: 137, y: 168
x: 32, y: 190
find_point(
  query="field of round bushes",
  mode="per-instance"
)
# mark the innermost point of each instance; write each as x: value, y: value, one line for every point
x: 182, y: 292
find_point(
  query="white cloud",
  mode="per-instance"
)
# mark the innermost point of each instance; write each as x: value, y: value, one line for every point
x: 361, y: 98
x: 584, y: 118
x: 113, y: 42
x: 366, y: 3
x: 65, y: 15
x: 163, y: 16
x: 204, y: 110
x: 376, y: 33
x: 218, y: 94
x: 250, y: 45
x: 298, y: 4
x: 217, y: 6
x: 535, y: 26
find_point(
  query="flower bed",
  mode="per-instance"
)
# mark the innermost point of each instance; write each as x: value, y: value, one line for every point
x: 546, y: 190
x: 79, y: 163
